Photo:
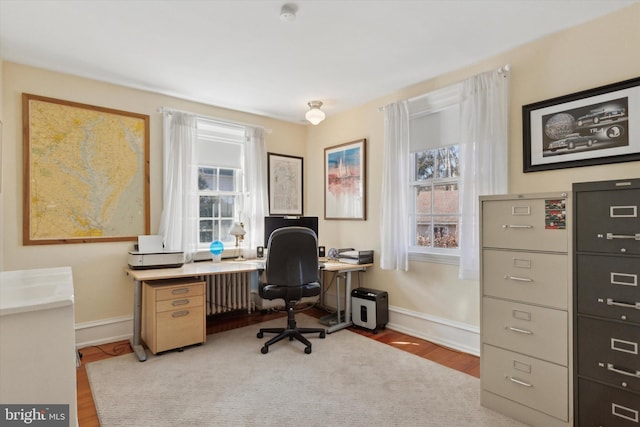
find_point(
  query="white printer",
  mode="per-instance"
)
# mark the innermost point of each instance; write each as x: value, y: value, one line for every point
x: 150, y: 254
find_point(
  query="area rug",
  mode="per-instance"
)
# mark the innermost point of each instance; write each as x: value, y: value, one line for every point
x: 347, y: 380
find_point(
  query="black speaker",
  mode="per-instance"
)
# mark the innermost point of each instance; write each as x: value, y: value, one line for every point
x: 260, y: 252
x: 321, y: 252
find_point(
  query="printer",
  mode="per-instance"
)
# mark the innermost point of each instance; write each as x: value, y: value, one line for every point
x: 150, y: 253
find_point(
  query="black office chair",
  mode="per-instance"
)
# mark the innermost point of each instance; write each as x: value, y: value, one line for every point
x: 291, y: 273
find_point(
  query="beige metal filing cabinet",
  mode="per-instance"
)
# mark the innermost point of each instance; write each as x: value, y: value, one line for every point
x: 173, y: 314
x: 525, y: 323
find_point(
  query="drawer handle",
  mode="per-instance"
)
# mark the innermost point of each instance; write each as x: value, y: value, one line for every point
x: 518, y: 330
x: 519, y: 279
x: 635, y: 305
x: 517, y: 381
x: 180, y: 313
x: 611, y: 236
x: 516, y: 226
x: 180, y: 302
x: 624, y: 412
x: 180, y: 291
x: 611, y: 367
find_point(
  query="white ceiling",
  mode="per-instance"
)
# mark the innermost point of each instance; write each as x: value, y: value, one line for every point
x: 240, y: 55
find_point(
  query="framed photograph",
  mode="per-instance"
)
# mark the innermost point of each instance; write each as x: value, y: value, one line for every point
x: 591, y: 127
x: 345, y: 181
x: 285, y: 184
x: 86, y: 173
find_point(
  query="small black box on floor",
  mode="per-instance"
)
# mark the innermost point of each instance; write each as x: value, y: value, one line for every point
x: 370, y: 308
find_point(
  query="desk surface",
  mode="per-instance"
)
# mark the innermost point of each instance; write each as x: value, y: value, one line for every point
x: 206, y: 268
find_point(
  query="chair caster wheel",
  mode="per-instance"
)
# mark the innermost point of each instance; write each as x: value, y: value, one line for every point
x: 323, y: 334
x: 264, y: 350
x: 260, y: 335
x: 307, y: 349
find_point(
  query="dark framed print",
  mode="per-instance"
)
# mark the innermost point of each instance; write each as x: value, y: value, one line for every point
x: 344, y: 179
x: 592, y: 127
x: 285, y: 184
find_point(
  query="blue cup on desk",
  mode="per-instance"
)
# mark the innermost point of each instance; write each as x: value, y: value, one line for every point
x: 216, y: 248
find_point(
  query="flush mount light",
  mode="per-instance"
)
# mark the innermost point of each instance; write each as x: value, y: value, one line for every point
x: 288, y: 12
x: 315, y: 115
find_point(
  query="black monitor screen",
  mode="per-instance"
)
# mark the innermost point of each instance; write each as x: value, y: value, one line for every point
x: 272, y: 223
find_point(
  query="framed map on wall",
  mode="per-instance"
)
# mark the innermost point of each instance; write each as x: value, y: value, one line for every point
x: 86, y: 172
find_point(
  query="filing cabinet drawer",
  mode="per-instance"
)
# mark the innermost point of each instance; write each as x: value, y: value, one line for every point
x: 604, y: 406
x: 537, y: 331
x: 524, y: 224
x: 532, y: 382
x: 179, y: 328
x: 179, y: 303
x: 609, y: 221
x: 609, y: 352
x: 609, y: 286
x: 171, y: 289
x: 538, y: 278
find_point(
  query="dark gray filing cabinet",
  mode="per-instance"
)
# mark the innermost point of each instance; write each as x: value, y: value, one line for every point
x: 607, y: 301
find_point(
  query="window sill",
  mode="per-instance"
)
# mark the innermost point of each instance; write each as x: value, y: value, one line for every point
x: 435, y: 258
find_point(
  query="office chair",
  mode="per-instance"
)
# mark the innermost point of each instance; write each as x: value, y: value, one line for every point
x: 291, y: 273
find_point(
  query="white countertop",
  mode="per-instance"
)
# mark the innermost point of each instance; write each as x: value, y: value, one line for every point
x: 38, y: 289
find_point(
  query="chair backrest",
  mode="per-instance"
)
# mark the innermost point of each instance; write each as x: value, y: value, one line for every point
x: 292, y: 257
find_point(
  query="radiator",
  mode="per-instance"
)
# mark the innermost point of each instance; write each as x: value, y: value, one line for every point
x: 228, y: 292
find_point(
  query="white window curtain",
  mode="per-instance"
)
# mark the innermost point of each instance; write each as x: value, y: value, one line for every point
x: 484, y: 157
x: 255, y: 170
x: 179, y: 220
x: 394, y: 233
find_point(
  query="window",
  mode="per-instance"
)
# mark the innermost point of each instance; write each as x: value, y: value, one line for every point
x: 220, y: 180
x: 434, y: 197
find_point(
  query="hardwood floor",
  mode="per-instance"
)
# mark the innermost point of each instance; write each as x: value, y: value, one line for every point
x: 87, y: 416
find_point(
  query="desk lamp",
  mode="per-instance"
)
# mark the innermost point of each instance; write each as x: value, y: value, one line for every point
x: 238, y: 232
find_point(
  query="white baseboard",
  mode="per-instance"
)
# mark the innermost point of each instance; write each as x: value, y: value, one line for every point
x: 104, y: 331
x: 448, y: 333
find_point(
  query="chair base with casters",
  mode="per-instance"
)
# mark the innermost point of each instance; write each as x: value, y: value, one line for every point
x: 291, y: 331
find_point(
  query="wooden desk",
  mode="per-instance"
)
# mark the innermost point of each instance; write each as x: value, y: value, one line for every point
x: 209, y: 268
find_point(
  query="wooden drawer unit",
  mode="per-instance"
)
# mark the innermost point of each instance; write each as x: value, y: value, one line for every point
x: 537, y: 331
x: 173, y: 314
x: 525, y: 317
x: 607, y: 296
x: 526, y: 380
x: 525, y: 223
x: 533, y: 277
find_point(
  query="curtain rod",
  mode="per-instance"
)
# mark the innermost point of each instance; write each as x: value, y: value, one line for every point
x: 215, y: 119
x: 500, y: 70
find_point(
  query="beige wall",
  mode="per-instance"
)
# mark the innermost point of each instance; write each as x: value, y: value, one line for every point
x: 102, y: 290
x: 594, y: 54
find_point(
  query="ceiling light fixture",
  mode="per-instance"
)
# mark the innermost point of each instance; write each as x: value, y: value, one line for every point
x: 288, y: 12
x: 315, y: 115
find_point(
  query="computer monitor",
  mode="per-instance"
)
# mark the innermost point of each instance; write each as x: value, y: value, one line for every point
x: 272, y: 223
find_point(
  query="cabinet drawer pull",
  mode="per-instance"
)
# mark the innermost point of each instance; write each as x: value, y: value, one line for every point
x: 611, y: 236
x: 611, y: 367
x: 519, y: 279
x: 624, y: 412
x: 635, y: 305
x: 180, y: 302
x: 518, y: 330
x: 180, y: 313
x: 180, y: 291
x: 520, y: 382
x: 516, y: 226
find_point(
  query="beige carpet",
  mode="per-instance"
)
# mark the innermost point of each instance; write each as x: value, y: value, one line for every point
x: 348, y: 380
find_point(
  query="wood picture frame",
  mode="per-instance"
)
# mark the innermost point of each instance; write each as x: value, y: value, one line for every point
x: 345, y: 181
x: 593, y: 127
x: 286, y: 184
x: 86, y: 172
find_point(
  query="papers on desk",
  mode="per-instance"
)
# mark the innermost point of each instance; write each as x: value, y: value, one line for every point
x: 356, y: 257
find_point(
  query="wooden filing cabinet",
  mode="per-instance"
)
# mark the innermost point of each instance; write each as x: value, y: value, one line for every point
x: 525, y: 325
x: 173, y: 314
x: 607, y: 299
